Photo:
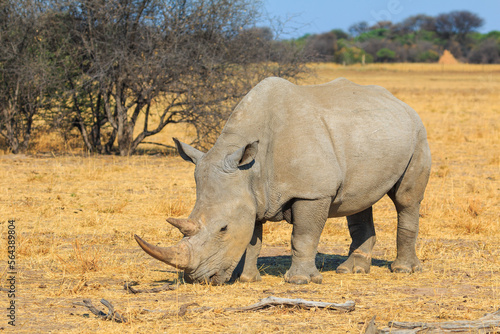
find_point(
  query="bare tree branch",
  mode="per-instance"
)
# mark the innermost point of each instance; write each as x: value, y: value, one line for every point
x: 301, y: 303
x: 490, y: 323
x: 111, y: 315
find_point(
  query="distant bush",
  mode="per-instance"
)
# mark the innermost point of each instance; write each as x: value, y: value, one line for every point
x: 386, y: 55
x: 487, y: 52
x: 428, y: 56
x: 418, y: 38
x: 352, y: 55
x: 321, y: 47
x: 379, y: 33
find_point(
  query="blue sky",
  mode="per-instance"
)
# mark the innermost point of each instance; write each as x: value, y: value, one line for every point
x: 316, y: 16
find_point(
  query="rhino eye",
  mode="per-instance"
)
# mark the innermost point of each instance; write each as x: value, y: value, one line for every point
x: 223, y: 229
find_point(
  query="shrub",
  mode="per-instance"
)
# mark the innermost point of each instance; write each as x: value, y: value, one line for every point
x: 428, y: 56
x: 386, y: 55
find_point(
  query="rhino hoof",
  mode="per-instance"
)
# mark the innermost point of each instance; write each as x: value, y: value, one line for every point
x: 401, y: 270
x: 318, y: 279
x: 406, y: 270
x: 356, y: 263
x: 406, y: 267
x: 247, y: 278
x: 343, y: 270
x: 298, y: 279
x: 355, y: 270
x: 359, y: 270
x: 302, y: 279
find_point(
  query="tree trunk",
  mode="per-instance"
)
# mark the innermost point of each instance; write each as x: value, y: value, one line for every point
x: 27, y: 131
x: 13, y: 144
x: 98, y: 118
x: 78, y: 123
x: 125, y: 138
x: 108, y: 148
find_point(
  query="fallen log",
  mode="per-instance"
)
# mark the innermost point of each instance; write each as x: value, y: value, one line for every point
x: 128, y: 286
x: 262, y: 304
x: 301, y: 303
x: 490, y: 323
x: 111, y: 315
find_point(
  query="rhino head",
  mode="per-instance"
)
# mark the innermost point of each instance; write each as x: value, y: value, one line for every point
x: 220, y: 227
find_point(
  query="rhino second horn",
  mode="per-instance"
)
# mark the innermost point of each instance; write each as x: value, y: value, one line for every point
x: 187, y: 227
x: 177, y: 256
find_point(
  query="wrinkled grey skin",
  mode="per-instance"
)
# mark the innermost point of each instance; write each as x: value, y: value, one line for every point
x: 303, y: 154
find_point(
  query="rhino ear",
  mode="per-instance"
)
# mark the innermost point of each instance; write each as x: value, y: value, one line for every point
x: 187, y: 152
x: 242, y: 157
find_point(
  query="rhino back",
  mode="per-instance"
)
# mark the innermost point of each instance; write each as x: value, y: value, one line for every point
x: 338, y: 140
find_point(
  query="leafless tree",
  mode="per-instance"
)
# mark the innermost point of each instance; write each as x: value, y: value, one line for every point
x: 26, y: 69
x: 487, y: 52
x: 322, y: 47
x: 158, y: 62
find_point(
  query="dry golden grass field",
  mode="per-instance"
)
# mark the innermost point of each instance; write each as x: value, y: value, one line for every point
x: 75, y: 217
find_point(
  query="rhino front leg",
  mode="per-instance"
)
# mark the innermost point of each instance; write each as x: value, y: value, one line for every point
x: 250, y: 271
x: 308, y: 219
x: 362, y: 232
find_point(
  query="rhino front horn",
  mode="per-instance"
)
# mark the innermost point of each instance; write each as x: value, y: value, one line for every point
x: 178, y: 256
x: 187, y: 227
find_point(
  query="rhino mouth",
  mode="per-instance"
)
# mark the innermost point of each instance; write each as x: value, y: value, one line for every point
x: 216, y: 277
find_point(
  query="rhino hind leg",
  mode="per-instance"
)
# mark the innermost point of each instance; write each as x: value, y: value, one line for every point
x: 407, y: 195
x: 250, y: 272
x: 362, y: 233
x: 308, y: 219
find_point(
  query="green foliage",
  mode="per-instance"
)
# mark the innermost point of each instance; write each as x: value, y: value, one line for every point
x: 429, y: 36
x: 386, y: 55
x: 428, y: 56
x: 493, y: 34
x: 379, y: 33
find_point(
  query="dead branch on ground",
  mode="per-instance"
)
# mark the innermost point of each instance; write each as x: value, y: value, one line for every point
x: 128, y: 286
x: 490, y: 323
x: 301, y: 303
x: 262, y: 304
x: 111, y: 315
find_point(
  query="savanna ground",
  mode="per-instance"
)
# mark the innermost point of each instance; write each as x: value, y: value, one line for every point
x: 76, y: 215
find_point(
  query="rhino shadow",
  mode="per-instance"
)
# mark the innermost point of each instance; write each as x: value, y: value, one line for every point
x: 278, y: 265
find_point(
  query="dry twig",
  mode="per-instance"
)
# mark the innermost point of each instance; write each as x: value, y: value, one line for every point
x: 183, y: 309
x: 165, y: 287
x: 263, y: 303
x: 302, y: 303
x: 490, y: 323
x: 111, y: 315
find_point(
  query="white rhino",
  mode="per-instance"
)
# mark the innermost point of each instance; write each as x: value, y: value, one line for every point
x: 302, y: 154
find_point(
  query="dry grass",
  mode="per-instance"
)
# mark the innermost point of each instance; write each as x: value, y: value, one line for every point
x: 76, y: 215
